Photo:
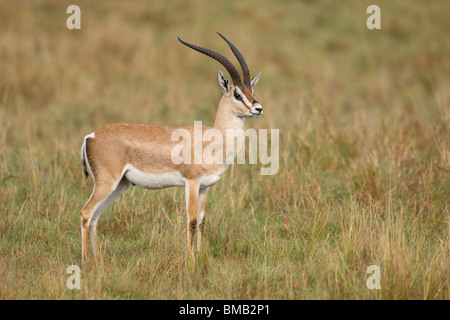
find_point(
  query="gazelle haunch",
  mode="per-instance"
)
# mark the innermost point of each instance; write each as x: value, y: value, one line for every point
x: 121, y: 154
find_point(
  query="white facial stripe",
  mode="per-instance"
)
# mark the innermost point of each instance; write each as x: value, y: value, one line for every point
x: 244, y: 98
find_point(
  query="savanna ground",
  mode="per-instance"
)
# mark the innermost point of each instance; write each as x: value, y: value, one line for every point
x: 364, y: 149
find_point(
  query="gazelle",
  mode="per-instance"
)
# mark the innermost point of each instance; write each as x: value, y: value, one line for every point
x: 121, y: 154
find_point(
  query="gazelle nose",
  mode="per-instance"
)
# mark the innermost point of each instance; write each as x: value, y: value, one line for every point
x: 259, y: 109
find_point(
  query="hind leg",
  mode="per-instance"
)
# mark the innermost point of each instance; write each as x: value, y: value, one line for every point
x: 201, y: 209
x: 102, y: 196
x: 121, y: 187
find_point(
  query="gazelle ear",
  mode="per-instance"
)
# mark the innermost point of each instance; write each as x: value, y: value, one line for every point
x: 224, y: 83
x: 255, y: 79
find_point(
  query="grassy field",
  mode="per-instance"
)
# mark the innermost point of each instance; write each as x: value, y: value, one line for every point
x: 363, y: 117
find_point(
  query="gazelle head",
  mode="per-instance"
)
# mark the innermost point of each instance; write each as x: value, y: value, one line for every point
x: 239, y: 93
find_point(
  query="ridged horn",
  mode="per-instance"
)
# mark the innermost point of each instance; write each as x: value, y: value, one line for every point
x: 220, y: 58
x: 245, y: 70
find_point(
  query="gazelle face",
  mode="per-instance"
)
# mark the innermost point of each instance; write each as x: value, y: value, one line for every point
x: 242, y: 98
x: 246, y: 105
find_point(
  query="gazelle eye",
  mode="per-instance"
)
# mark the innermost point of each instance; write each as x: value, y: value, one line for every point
x: 237, y: 96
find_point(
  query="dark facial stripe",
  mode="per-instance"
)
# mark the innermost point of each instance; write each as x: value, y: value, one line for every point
x: 247, y: 92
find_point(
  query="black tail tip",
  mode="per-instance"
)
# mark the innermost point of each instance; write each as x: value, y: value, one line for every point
x: 85, y: 169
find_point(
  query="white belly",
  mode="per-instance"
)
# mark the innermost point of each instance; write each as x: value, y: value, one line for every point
x: 153, y: 180
x: 210, y: 180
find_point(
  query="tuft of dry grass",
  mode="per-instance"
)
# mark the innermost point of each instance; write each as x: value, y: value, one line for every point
x: 364, y: 150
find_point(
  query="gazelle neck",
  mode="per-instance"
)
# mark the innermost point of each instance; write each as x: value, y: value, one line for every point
x: 225, y: 118
x: 229, y: 124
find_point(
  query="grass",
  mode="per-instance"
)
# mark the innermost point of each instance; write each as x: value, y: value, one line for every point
x: 364, y: 149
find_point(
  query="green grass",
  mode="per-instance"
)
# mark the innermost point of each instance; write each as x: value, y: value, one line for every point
x: 364, y: 149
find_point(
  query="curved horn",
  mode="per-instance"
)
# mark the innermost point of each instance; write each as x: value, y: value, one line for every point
x: 217, y: 56
x: 245, y: 70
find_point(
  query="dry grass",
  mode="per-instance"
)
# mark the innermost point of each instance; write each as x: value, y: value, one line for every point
x: 364, y: 149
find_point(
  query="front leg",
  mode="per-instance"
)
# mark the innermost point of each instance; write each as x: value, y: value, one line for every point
x: 201, y: 209
x: 192, y: 194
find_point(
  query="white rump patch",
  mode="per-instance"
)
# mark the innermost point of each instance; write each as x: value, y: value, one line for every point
x: 83, y: 146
